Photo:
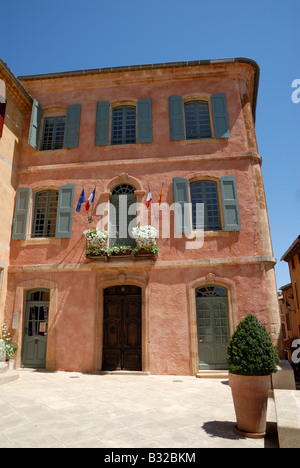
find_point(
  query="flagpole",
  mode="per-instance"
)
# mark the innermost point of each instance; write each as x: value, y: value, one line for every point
x: 91, y: 219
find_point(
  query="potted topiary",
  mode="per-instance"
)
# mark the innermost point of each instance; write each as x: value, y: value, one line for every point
x: 252, y: 358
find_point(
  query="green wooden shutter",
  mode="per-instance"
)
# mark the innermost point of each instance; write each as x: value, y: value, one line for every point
x: 65, y: 211
x: 144, y: 119
x: 21, y: 213
x: 220, y: 116
x: 182, y: 215
x: 230, y: 203
x: 72, y: 126
x: 35, y: 122
x: 102, y: 123
x: 176, y: 118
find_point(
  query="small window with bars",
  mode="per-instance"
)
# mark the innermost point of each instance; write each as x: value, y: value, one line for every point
x: 197, y: 120
x: 53, y: 133
x: 45, y: 212
x: 123, y: 125
x: 206, y: 192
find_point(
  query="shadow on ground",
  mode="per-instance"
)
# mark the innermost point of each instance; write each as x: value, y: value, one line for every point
x: 224, y: 429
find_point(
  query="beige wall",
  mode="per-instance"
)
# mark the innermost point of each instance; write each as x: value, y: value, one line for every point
x: 10, y: 143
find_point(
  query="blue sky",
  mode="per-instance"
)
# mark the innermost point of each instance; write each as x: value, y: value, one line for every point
x: 43, y: 37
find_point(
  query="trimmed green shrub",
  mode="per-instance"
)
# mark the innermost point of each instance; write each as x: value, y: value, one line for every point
x: 250, y: 350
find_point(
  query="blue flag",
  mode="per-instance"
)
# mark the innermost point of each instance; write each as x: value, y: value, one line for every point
x: 81, y: 200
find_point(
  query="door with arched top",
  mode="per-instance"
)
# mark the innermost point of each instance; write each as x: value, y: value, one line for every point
x: 122, y: 328
x: 212, y: 327
x: 35, y: 334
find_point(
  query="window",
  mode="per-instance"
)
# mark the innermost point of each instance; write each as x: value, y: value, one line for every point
x: 188, y: 194
x: 122, y: 216
x: 130, y: 123
x: 45, y: 213
x: 123, y: 125
x: 53, y: 133
x: 58, y: 132
x: 206, y: 192
x: 191, y: 120
x: 52, y: 213
x: 197, y: 121
x: 2, y: 115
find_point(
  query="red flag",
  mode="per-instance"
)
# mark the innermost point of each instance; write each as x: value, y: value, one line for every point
x: 160, y: 195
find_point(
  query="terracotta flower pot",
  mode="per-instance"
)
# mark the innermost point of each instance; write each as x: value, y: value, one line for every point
x: 250, y: 397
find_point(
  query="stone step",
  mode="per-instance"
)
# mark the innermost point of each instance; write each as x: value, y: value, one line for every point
x: 3, y: 367
x: 8, y: 377
x: 212, y: 374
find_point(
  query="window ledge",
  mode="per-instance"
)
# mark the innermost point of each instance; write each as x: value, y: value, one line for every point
x: 41, y: 241
x: 218, y: 233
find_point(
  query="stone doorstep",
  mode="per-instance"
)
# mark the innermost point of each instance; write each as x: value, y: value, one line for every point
x: 3, y: 367
x: 212, y: 374
x: 287, y: 405
x: 8, y: 377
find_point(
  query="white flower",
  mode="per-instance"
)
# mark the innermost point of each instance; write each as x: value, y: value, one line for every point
x: 145, y: 235
x: 96, y: 237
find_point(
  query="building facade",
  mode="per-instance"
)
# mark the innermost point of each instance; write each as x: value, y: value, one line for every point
x: 15, y: 103
x: 292, y: 295
x: 184, y: 131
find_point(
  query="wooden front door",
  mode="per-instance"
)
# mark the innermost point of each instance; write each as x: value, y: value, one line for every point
x: 122, y: 341
x: 34, y: 347
x: 212, y: 327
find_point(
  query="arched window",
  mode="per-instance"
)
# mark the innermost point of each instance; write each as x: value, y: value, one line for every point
x: 123, y: 125
x: 197, y: 121
x: 122, y: 215
x: 45, y: 213
x: 211, y: 291
x: 206, y: 192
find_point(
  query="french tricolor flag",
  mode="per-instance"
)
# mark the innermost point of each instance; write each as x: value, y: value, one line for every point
x: 90, y: 200
x: 149, y: 198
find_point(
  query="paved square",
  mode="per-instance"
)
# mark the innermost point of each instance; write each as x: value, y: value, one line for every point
x: 62, y: 409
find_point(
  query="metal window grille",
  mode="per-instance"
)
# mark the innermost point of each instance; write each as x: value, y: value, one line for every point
x: 205, y: 191
x: 211, y: 291
x: 123, y: 125
x: 44, y: 223
x: 197, y: 121
x: 53, y: 133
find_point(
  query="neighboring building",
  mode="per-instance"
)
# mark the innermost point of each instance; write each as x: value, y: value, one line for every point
x: 292, y: 302
x: 14, y: 104
x: 188, y: 126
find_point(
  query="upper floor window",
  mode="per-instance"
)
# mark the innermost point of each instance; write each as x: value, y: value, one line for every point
x: 130, y: 123
x: 58, y: 132
x: 197, y: 120
x: 52, y: 213
x: 122, y: 215
x: 206, y: 192
x: 123, y: 125
x: 204, y: 197
x: 191, y: 120
x: 45, y: 213
x: 53, y: 133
